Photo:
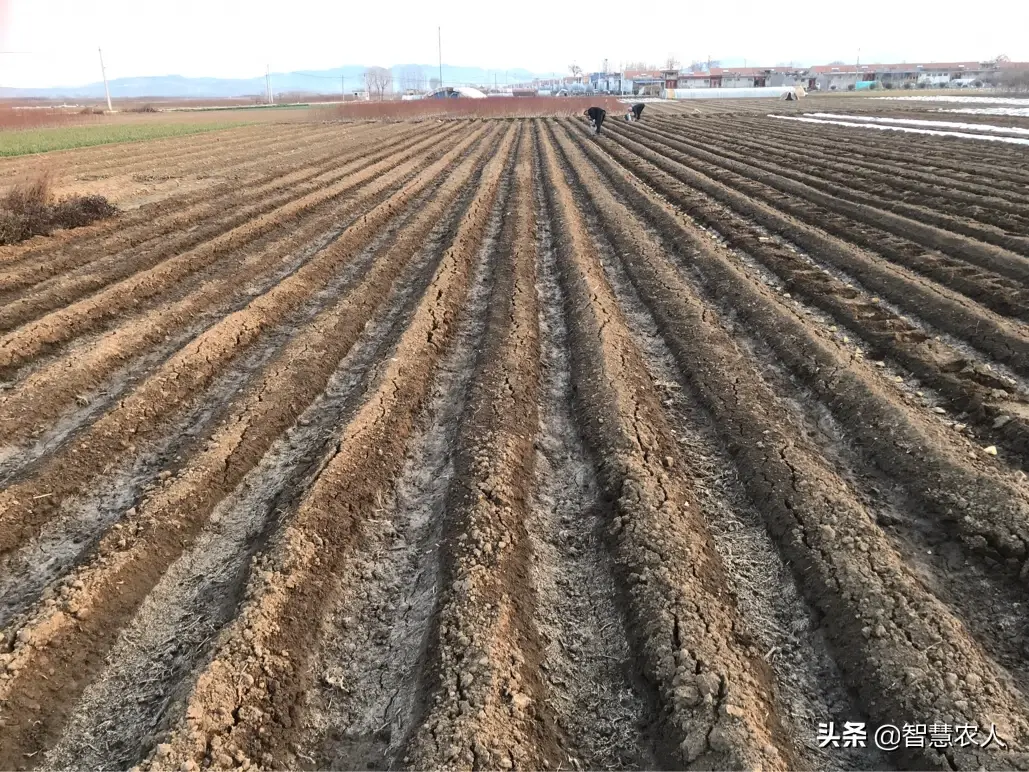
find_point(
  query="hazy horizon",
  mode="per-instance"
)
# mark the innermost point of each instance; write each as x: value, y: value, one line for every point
x: 53, y: 43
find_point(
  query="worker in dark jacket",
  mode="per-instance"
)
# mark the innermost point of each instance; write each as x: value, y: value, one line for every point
x: 596, y: 116
x: 637, y: 111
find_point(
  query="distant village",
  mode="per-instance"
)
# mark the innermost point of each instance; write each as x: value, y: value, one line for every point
x: 830, y: 77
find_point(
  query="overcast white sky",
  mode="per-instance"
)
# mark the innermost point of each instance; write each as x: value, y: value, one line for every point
x: 237, y: 38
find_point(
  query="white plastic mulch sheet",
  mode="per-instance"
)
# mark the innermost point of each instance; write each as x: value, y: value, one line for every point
x: 859, y: 124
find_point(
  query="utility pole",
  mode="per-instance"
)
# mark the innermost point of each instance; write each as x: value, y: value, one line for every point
x: 439, y: 48
x: 107, y: 91
x: 343, y: 86
x: 268, y: 84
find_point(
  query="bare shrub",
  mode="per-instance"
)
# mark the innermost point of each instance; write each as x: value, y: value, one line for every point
x: 492, y: 107
x: 378, y: 80
x: 1015, y: 79
x: 29, y: 209
x: 35, y: 193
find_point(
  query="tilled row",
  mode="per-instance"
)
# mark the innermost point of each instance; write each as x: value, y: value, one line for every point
x: 919, y: 198
x: 130, y: 282
x: 905, y: 152
x: 101, y: 158
x: 1001, y: 339
x: 25, y: 506
x: 990, y: 275
x: 933, y: 172
x: 181, y: 224
x: 717, y: 709
x: 887, y: 629
x: 50, y: 388
x: 364, y: 554
x: 49, y: 408
x: 104, y: 593
x: 983, y: 397
x: 986, y: 505
x: 228, y: 720
x: 228, y: 171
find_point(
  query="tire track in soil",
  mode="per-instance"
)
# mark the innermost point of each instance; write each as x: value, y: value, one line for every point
x: 598, y: 698
x: 183, y: 376
x: 232, y: 716
x: 713, y: 688
x: 146, y: 270
x: 885, y: 628
x: 786, y: 630
x: 198, y: 595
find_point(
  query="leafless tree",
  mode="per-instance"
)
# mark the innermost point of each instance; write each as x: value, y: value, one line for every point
x: 671, y: 63
x: 377, y: 80
x: 575, y: 69
x: 1014, y: 79
x: 412, y: 78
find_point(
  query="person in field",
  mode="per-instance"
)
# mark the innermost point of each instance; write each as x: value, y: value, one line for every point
x: 637, y: 111
x: 596, y: 116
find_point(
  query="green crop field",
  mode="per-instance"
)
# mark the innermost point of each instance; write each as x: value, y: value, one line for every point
x: 26, y: 141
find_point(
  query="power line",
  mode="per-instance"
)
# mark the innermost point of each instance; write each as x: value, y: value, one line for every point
x: 312, y: 75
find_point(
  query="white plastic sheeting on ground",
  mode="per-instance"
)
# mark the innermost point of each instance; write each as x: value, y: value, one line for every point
x: 908, y: 129
x: 982, y: 100
x: 774, y: 92
x: 1011, y: 112
x: 923, y: 123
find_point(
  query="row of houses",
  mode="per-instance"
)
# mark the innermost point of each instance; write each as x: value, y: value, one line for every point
x: 830, y: 77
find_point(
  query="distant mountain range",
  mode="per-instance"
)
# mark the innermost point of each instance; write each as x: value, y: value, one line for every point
x: 309, y: 81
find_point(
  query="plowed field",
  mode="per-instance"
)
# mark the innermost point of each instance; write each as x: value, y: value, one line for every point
x: 495, y: 444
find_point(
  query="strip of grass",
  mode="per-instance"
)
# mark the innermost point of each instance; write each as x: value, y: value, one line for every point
x: 28, y: 141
